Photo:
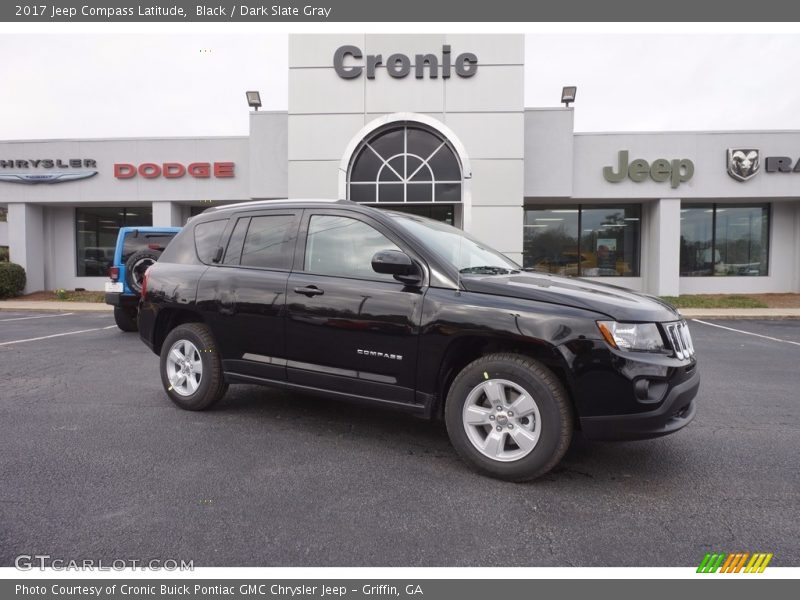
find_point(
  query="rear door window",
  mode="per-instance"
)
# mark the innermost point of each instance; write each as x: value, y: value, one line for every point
x: 269, y: 242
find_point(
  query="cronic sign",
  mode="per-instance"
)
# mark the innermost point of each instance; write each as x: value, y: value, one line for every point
x: 350, y: 62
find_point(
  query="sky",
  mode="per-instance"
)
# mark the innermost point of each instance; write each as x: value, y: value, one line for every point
x: 134, y: 85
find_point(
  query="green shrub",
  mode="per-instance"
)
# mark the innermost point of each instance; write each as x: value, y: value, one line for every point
x: 12, y: 279
x: 3, y: 253
x: 714, y: 301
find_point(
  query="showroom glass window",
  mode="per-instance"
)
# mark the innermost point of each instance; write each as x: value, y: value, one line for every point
x: 199, y: 210
x: 404, y: 164
x: 584, y: 241
x: 96, y: 235
x: 724, y: 240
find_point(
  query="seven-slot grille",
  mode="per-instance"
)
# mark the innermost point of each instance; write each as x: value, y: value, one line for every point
x: 680, y: 339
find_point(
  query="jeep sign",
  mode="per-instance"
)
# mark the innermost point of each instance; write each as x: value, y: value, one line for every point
x: 348, y: 64
x: 677, y: 171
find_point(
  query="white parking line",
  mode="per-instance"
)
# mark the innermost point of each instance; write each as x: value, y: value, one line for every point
x: 39, y: 317
x: 766, y: 337
x: 55, y: 335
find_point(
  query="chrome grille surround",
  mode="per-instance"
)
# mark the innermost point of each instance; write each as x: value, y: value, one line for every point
x: 679, y: 339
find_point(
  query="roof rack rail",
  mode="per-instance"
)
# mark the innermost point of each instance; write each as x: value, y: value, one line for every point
x: 276, y: 201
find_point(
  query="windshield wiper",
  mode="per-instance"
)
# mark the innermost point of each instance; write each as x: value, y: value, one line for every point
x: 488, y: 270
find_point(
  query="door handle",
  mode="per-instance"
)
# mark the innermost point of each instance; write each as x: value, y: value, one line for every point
x: 309, y: 290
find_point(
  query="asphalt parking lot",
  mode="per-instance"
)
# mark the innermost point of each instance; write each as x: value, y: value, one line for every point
x: 95, y: 462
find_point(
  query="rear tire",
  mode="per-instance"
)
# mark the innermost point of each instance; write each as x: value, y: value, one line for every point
x: 126, y: 318
x: 191, y: 369
x: 509, y: 417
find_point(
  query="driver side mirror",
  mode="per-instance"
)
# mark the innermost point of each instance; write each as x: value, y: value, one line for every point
x: 398, y: 264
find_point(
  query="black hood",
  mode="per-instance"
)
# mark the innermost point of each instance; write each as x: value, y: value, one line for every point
x: 616, y: 302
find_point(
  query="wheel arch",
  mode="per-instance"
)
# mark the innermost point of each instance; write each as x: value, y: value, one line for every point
x: 465, y: 349
x: 168, y: 319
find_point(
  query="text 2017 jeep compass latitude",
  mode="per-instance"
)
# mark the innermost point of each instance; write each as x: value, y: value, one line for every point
x: 337, y: 298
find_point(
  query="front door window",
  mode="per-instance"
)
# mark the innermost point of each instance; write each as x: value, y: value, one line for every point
x: 344, y: 247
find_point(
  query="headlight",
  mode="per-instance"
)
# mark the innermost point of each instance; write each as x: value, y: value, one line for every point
x: 632, y: 336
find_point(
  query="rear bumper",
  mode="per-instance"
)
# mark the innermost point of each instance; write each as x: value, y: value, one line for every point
x: 122, y: 300
x: 675, y: 412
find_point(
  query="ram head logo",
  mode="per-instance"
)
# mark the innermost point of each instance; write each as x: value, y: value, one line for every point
x: 743, y: 163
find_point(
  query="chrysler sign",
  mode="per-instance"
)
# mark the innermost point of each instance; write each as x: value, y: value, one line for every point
x: 47, y: 170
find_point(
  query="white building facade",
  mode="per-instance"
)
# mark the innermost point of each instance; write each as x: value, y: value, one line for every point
x: 434, y: 125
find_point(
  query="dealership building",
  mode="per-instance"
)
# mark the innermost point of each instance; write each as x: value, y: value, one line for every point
x: 434, y: 125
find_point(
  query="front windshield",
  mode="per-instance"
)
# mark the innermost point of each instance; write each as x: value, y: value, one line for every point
x: 456, y: 247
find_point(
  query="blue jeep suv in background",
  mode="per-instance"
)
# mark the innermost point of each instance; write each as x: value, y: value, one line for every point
x: 137, y: 248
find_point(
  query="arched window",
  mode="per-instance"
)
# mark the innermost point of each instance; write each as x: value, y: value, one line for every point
x: 404, y: 163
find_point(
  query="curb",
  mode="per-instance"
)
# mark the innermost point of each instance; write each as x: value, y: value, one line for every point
x: 743, y: 317
x: 33, y: 305
x: 741, y: 313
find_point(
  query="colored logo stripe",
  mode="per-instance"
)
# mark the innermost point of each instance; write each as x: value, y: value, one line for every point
x: 734, y: 563
x: 711, y: 562
x: 758, y: 563
x: 726, y: 567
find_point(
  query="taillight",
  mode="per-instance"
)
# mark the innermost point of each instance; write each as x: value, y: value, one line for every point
x: 113, y: 273
x: 144, y: 281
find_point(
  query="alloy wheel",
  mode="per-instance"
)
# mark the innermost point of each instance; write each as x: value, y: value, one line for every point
x: 502, y: 420
x: 184, y: 367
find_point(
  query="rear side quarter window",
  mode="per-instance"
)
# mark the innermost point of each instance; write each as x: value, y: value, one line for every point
x: 207, y: 240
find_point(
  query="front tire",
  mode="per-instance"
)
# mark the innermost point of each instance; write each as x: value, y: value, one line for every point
x: 508, y: 416
x: 126, y: 318
x: 191, y: 369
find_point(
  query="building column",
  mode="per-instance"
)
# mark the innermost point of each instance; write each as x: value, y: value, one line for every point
x: 26, y: 242
x: 167, y: 214
x: 493, y: 205
x: 662, y: 275
x: 3, y: 233
x: 796, y: 267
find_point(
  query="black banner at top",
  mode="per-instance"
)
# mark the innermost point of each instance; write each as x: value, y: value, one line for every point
x: 397, y: 11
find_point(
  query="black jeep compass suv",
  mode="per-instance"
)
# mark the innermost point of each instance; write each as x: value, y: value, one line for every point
x: 349, y: 301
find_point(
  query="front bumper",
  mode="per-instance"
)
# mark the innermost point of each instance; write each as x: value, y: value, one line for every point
x: 675, y: 412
